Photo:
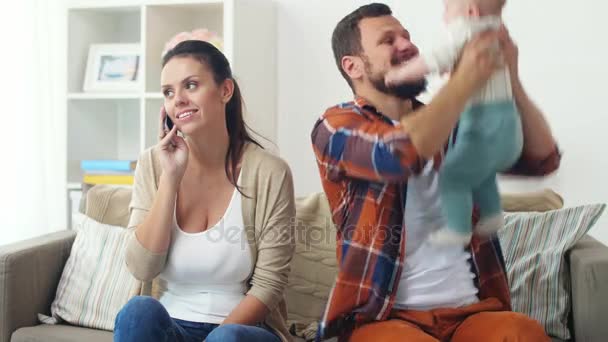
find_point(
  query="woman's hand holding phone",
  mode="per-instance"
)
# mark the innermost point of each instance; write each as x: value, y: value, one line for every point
x: 173, y: 149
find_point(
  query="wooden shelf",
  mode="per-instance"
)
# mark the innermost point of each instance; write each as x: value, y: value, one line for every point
x: 117, y: 4
x: 74, y: 186
x: 120, y: 125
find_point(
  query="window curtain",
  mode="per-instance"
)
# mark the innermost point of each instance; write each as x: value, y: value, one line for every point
x: 32, y: 133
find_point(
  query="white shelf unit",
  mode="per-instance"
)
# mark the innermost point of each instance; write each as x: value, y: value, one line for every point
x: 100, y: 96
x: 122, y: 125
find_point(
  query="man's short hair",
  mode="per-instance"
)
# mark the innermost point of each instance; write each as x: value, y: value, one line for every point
x: 346, y: 38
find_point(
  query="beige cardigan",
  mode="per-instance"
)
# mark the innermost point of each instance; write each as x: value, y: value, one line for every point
x: 268, y: 216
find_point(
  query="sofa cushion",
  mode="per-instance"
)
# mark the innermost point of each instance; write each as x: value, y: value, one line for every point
x: 313, y: 267
x: 543, y: 200
x: 60, y: 333
x: 95, y: 282
x: 108, y: 204
x: 534, y: 246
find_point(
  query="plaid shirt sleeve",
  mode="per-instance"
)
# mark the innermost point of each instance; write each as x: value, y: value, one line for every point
x: 527, y: 166
x: 349, y: 143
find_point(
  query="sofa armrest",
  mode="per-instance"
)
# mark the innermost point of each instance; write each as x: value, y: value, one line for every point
x: 29, y: 275
x: 589, y: 273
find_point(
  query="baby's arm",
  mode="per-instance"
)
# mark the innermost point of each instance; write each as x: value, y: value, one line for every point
x: 413, y: 70
x: 438, y: 60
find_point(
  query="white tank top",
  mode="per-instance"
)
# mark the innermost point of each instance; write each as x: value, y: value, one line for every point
x: 433, y: 276
x: 206, y: 273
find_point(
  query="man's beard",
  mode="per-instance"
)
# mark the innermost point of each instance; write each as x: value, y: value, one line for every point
x: 406, y: 91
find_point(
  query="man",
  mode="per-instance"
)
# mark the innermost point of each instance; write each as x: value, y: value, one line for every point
x: 378, y: 158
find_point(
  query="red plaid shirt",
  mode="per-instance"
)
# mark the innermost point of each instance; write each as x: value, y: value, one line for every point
x: 364, y: 162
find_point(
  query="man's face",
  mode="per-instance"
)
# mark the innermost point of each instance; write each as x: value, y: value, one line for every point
x: 386, y: 44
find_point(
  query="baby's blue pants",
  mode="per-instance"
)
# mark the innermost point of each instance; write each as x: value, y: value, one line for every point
x: 489, y: 140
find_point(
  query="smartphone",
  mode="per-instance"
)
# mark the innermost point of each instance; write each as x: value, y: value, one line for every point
x: 168, y: 123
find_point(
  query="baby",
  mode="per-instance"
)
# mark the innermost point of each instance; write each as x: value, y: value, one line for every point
x: 489, y: 135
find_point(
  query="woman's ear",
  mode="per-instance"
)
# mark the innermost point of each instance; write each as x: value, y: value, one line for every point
x: 227, y: 90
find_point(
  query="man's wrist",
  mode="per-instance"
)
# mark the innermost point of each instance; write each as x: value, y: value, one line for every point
x: 519, y: 93
x: 461, y: 86
x: 516, y: 81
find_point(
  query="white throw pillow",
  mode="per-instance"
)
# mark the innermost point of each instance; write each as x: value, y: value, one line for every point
x: 95, y: 283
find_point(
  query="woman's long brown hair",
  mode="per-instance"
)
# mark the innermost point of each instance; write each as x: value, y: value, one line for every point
x: 238, y: 132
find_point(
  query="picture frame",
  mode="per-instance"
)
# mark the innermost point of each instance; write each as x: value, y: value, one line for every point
x: 113, y: 68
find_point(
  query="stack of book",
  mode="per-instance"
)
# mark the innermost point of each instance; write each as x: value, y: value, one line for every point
x: 118, y: 172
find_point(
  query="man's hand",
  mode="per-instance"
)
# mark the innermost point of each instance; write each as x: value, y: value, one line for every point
x: 430, y: 127
x: 510, y: 52
x: 479, y: 60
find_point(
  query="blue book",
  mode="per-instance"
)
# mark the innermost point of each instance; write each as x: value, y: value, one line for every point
x: 107, y: 165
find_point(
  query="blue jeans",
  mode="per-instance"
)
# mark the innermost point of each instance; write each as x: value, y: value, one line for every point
x: 146, y: 319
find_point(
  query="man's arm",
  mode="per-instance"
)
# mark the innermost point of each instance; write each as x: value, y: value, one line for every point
x: 537, y: 133
x: 540, y: 155
x: 430, y: 127
x: 347, y: 144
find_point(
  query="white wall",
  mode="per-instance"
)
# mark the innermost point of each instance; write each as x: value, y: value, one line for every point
x: 562, y: 46
x: 30, y: 130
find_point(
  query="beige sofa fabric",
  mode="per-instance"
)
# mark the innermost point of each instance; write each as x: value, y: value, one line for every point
x: 29, y: 273
x: 589, y: 274
x: 108, y: 204
x: 543, y: 200
x: 314, y: 263
x: 60, y: 333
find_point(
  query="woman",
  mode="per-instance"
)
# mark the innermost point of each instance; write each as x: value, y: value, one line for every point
x: 212, y: 213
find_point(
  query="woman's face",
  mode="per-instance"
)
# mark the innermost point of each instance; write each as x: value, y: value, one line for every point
x: 193, y: 100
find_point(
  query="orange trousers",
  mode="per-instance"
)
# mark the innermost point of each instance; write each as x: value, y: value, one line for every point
x: 474, y: 323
